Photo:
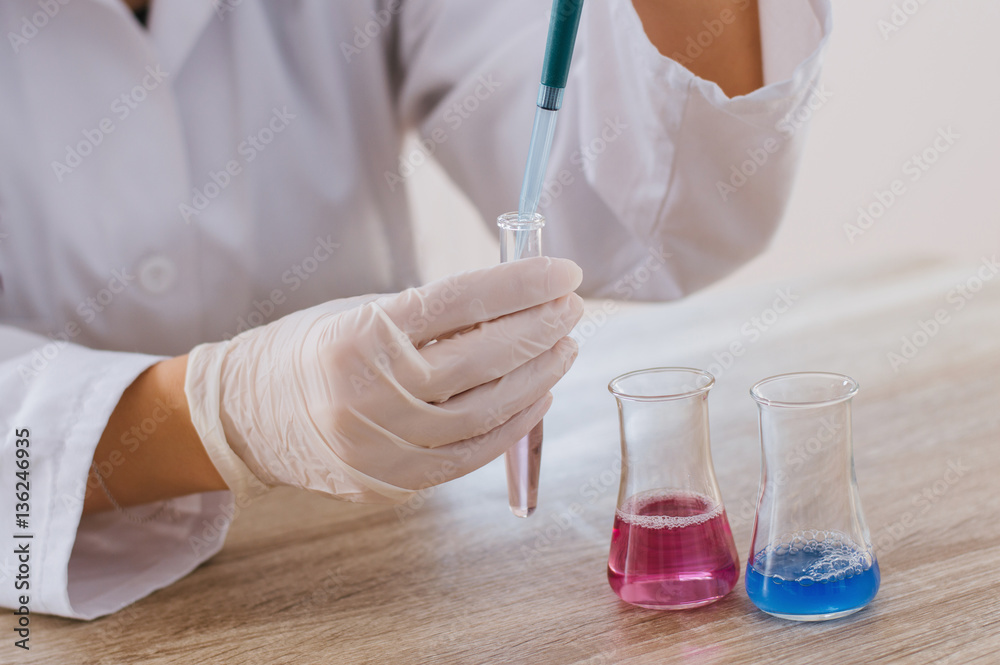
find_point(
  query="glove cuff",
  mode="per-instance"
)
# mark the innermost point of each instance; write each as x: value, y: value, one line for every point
x: 203, y: 388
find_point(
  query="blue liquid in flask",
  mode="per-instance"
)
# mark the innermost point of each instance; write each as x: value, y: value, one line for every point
x: 814, y: 576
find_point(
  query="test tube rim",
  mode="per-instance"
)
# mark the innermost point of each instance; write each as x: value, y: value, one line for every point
x: 851, y: 387
x: 512, y: 221
x: 615, y: 389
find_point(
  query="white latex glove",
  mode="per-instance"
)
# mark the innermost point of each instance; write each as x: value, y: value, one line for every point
x: 371, y: 398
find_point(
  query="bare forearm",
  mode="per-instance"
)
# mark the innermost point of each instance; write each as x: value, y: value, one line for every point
x: 728, y: 52
x: 149, y: 450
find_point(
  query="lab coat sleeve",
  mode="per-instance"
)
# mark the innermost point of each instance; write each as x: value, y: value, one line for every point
x: 658, y: 183
x: 58, y: 397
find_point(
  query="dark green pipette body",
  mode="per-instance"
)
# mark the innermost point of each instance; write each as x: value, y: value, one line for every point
x: 563, y: 24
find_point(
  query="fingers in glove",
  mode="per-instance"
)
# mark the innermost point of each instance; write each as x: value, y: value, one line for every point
x: 460, y: 301
x: 492, y: 349
x: 477, y: 411
x: 457, y: 459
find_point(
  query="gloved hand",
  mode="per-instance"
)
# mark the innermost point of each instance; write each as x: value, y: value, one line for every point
x: 371, y: 398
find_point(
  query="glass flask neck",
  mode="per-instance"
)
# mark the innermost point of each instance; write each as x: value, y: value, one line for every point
x: 796, y: 441
x: 663, y: 415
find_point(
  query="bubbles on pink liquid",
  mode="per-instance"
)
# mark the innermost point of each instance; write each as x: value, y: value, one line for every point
x: 702, y: 508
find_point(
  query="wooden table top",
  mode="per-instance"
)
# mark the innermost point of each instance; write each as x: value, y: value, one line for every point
x: 458, y: 579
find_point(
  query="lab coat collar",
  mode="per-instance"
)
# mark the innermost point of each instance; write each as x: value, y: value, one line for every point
x: 174, y: 26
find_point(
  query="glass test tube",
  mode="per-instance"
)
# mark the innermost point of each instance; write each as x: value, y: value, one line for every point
x: 522, y: 239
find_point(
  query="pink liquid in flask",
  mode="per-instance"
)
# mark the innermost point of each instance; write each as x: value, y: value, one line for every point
x: 672, y: 550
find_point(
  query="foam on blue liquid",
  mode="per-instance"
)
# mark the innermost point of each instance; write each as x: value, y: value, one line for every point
x: 812, y: 573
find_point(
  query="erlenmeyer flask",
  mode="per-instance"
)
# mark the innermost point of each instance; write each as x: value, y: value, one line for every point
x: 671, y: 547
x: 811, y: 557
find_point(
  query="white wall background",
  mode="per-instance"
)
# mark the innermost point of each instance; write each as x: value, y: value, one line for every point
x: 890, y: 97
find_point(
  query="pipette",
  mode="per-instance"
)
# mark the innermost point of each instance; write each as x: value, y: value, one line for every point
x: 563, y: 25
x: 523, y: 459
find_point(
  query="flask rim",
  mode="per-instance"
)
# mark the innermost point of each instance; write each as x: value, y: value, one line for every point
x: 843, y: 392
x: 616, y: 388
x: 513, y: 221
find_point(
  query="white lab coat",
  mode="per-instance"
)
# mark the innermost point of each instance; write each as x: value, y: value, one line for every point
x: 235, y: 163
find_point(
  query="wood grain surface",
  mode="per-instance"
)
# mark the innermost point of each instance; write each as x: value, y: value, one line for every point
x: 454, y: 578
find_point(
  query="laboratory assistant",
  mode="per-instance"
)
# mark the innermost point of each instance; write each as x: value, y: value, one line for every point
x: 233, y: 164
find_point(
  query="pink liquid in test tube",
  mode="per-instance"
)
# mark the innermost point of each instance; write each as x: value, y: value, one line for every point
x: 524, y: 460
